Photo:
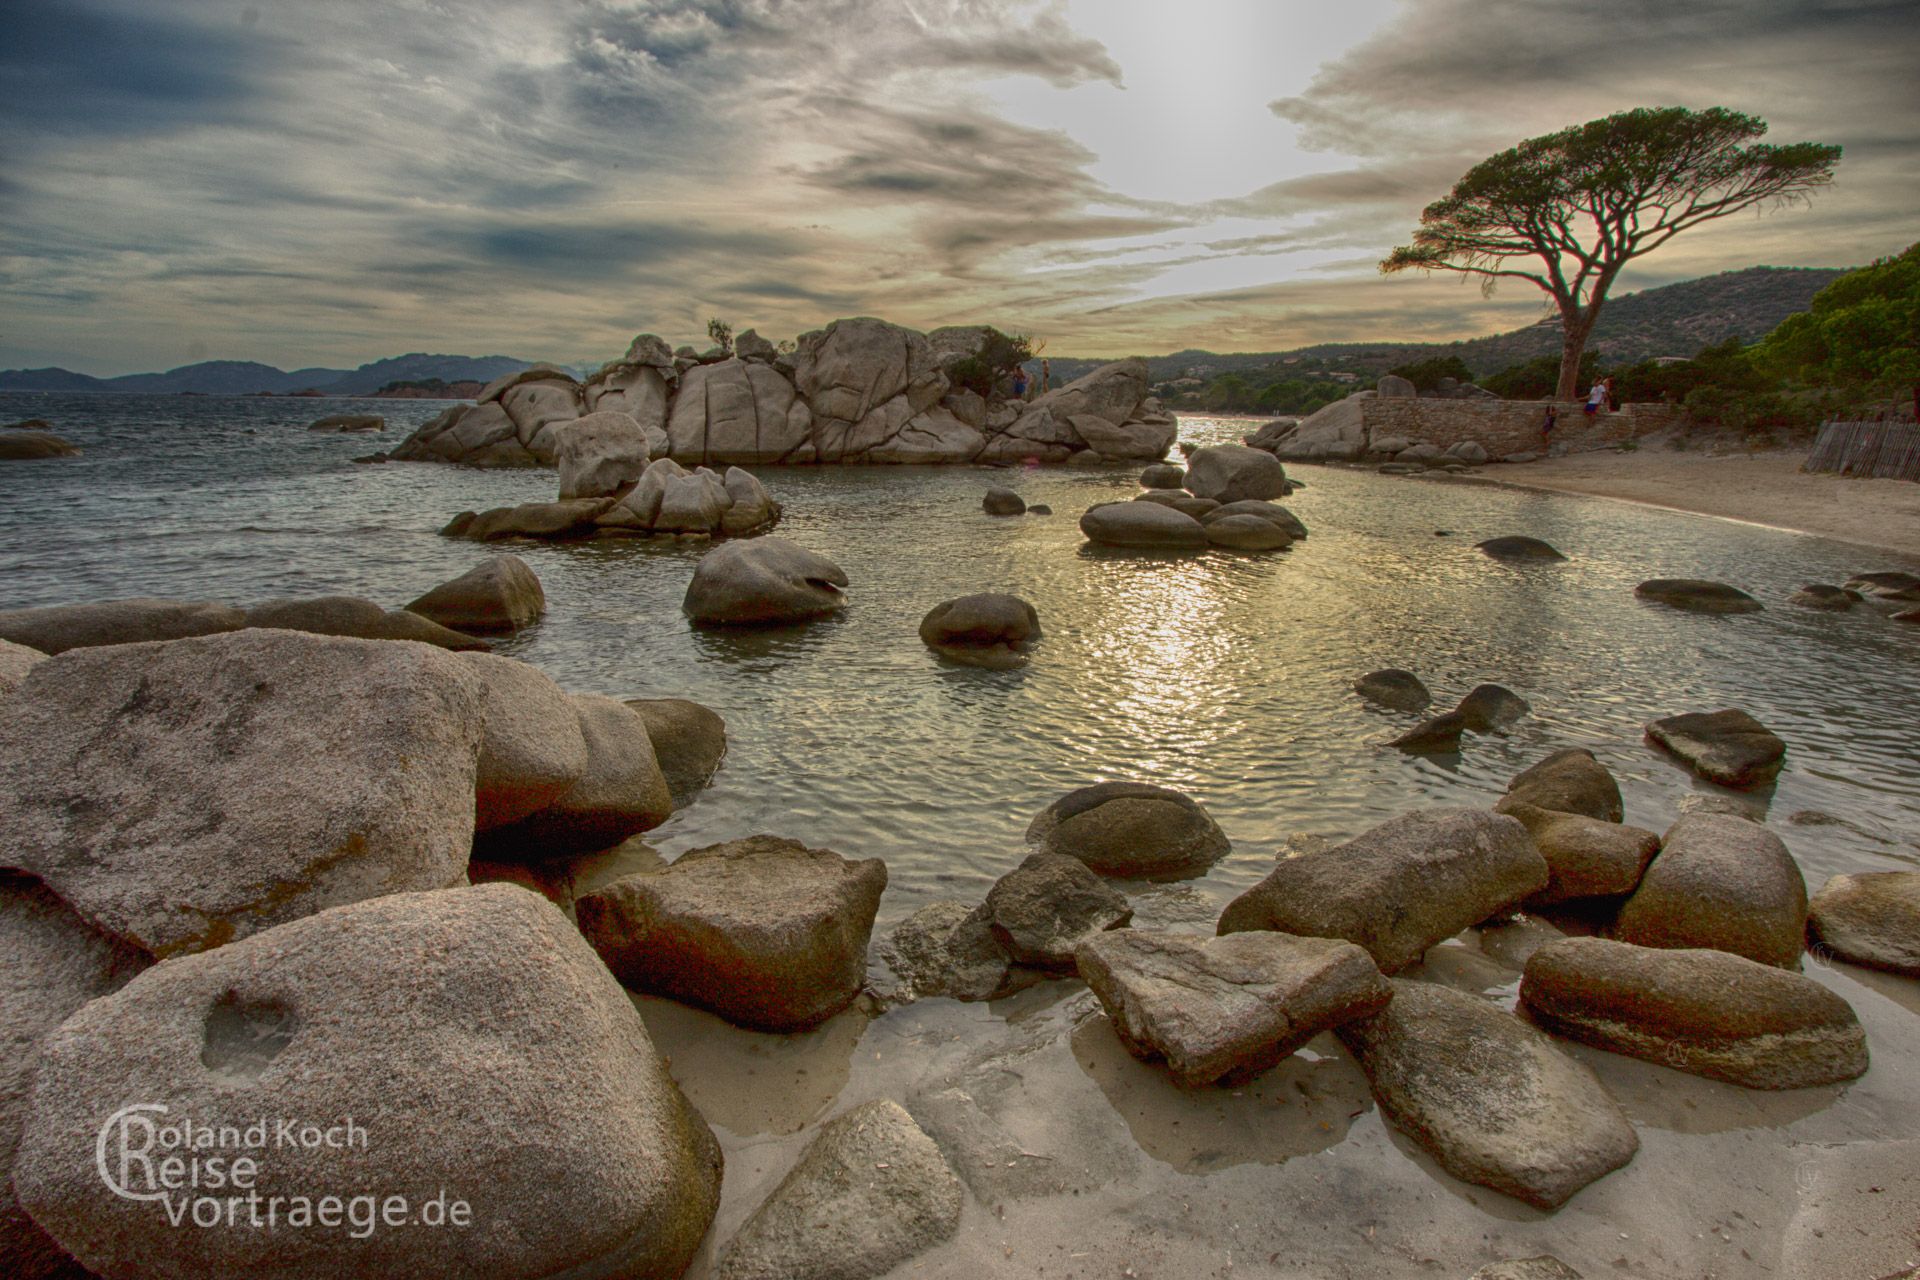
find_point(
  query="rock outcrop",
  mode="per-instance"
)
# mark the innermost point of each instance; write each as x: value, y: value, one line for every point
x: 181, y: 795
x: 1226, y: 1008
x: 1705, y: 1012
x: 1493, y: 1100
x: 1587, y: 858
x: 765, y: 932
x: 1235, y: 473
x: 500, y: 1066
x: 949, y: 949
x: 860, y: 390
x: 1399, y: 888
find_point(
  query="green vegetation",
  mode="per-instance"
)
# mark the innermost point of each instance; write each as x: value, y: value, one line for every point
x: 1426, y: 374
x: 1568, y: 210
x: 1861, y: 337
x: 722, y: 334
x: 997, y: 356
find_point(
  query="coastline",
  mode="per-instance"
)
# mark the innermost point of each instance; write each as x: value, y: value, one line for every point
x: 1763, y: 488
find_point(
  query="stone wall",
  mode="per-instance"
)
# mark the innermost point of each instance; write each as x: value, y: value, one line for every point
x: 1509, y: 426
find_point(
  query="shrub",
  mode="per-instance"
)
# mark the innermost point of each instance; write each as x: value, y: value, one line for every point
x: 997, y: 356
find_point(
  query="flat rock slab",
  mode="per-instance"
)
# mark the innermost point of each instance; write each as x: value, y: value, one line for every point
x: 1226, y: 1007
x: 1729, y: 747
x: 57, y: 628
x: 183, y: 794
x: 1871, y: 919
x: 1697, y: 595
x: 1400, y: 887
x: 1588, y: 858
x: 1394, y: 688
x: 1705, y: 1012
x: 1043, y: 909
x: 765, y: 932
x: 478, y: 1045
x: 1569, y: 781
x: 501, y: 593
x: 764, y: 582
x: 1131, y: 829
x: 1492, y: 1099
x: 1720, y: 882
x: 870, y: 1192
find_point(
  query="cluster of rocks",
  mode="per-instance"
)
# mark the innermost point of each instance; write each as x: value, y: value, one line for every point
x: 499, y: 595
x: 1486, y: 708
x: 1339, y: 433
x: 858, y: 391
x: 608, y: 492
x: 1896, y: 588
x: 1223, y: 498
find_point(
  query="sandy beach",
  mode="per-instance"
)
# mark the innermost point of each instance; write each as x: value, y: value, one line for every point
x: 1762, y: 488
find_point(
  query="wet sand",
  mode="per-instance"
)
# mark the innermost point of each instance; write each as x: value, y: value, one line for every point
x: 1765, y: 488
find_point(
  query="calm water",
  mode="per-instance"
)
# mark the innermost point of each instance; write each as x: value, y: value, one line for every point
x: 1222, y: 675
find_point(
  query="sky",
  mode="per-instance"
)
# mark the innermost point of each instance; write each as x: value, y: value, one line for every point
x: 326, y: 182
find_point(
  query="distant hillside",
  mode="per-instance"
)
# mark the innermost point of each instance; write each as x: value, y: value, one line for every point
x: 242, y: 378
x: 1674, y: 320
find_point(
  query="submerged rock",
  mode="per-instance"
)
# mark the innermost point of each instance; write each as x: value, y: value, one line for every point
x: 1042, y: 910
x: 870, y: 1192
x: 1696, y: 595
x: 1130, y: 829
x: 1437, y: 734
x: 1518, y: 547
x: 1705, y: 1012
x: 181, y: 795
x: 1490, y: 1098
x: 765, y: 582
x: 500, y: 1065
x: 501, y: 593
x: 1489, y: 707
x: 1226, y: 1007
x: 1392, y: 687
x: 1271, y: 512
x: 1729, y: 747
x: 57, y: 628
x: 764, y: 931
x: 1142, y: 524
x: 689, y: 741
x: 1247, y: 533
x: 1400, y: 887
x: 1872, y: 918
x: 1569, y: 781
x: 987, y: 630
x: 573, y: 518
x: 1720, y: 882
x: 349, y: 423
x: 29, y: 446
x: 1003, y: 502
x: 1829, y: 599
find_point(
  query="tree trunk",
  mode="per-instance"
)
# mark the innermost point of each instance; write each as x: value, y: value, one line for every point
x: 1576, y: 324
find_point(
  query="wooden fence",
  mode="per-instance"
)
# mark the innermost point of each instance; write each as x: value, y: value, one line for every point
x: 1885, y: 450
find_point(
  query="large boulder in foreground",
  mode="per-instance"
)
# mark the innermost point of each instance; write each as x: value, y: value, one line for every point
x: 1490, y: 1098
x: 1401, y: 887
x: 1721, y: 882
x: 181, y: 795
x: 57, y: 628
x: 1697, y: 595
x: 1569, y: 781
x: 1043, y: 909
x: 1235, y: 473
x: 871, y: 1191
x: 500, y: 1064
x: 689, y: 741
x: 1226, y: 1007
x: 1146, y: 525
x: 1131, y: 829
x: 15, y: 661
x: 765, y: 932
x: 1704, y: 1012
x: 1872, y: 919
x: 51, y: 963
x: 987, y: 630
x: 1729, y: 747
x: 501, y: 593
x: 764, y: 582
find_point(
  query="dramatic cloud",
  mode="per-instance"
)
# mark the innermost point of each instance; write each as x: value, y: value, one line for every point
x: 328, y: 181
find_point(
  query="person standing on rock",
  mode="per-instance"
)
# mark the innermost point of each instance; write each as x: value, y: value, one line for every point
x: 1046, y: 376
x: 1019, y: 382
